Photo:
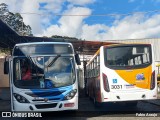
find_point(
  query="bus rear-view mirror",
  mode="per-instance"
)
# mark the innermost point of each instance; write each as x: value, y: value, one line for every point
x: 6, y: 67
x: 77, y: 59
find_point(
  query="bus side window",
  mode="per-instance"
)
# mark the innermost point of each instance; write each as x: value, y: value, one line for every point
x: 98, y: 64
x: 18, y: 70
x: 91, y: 69
x: 95, y: 63
x: 95, y: 66
x: 90, y: 72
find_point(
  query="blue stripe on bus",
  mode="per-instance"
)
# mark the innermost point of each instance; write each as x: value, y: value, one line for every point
x: 52, y: 94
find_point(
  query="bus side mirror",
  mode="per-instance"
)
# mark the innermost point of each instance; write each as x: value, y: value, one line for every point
x: 77, y: 59
x: 6, y: 67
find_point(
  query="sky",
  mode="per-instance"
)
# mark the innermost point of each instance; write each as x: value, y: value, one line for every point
x: 90, y: 19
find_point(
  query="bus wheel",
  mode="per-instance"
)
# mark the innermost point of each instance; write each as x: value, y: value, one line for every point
x: 96, y: 104
x: 132, y: 104
x: 89, y: 94
x: 90, y: 97
x: 158, y: 87
x: 86, y: 92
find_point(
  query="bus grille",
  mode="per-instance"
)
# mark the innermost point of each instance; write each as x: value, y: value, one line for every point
x: 45, y: 94
x: 43, y: 100
x: 43, y: 106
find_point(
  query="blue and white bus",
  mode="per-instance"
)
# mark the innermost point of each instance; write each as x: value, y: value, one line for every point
x: 43, y: 76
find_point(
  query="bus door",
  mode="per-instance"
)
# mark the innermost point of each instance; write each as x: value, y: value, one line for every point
x: 10, y: 62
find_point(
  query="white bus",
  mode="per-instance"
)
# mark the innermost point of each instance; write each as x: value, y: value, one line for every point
x: 122, y: 72
x: 43, y: 77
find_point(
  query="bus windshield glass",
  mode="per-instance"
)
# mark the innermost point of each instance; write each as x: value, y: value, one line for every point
x: 133, y: 56
x: 42, y: 49
x: 43, y: 72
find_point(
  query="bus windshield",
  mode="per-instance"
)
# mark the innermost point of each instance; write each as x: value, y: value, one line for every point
x: 133, y: 56
x: 43, y: 72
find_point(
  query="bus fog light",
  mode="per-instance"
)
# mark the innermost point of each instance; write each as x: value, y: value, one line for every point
x: 70, y: 95
x: 20, y: 98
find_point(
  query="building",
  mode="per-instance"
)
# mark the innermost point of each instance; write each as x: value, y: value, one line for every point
x: 154, y: 41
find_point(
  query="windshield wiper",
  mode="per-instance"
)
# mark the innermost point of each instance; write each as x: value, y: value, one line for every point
x: 53, y: 61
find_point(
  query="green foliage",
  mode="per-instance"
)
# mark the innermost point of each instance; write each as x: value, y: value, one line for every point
x: 4, y: 51
x: 64, y: 37
x: 15, y: 21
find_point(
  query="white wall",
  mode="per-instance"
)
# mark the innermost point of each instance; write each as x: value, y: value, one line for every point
x: 154, y: 41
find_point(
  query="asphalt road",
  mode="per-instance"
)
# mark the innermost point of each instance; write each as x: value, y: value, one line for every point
x: 87, y: 110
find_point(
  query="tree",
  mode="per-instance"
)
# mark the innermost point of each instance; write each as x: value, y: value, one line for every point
x: 15, y: 21
x: 3, y: 8
x: 64, y: 37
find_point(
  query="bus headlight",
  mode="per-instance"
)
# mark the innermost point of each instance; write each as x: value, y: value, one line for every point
x: 20, y: 98
x: 70, y: 95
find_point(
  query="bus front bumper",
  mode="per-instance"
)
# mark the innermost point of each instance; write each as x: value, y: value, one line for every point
x: 47, y: 106
x: 129, y: 96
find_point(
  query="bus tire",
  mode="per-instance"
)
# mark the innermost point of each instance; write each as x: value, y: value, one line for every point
x: 89, y: 94
x: 86, y: 92
x: 96, y: 104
